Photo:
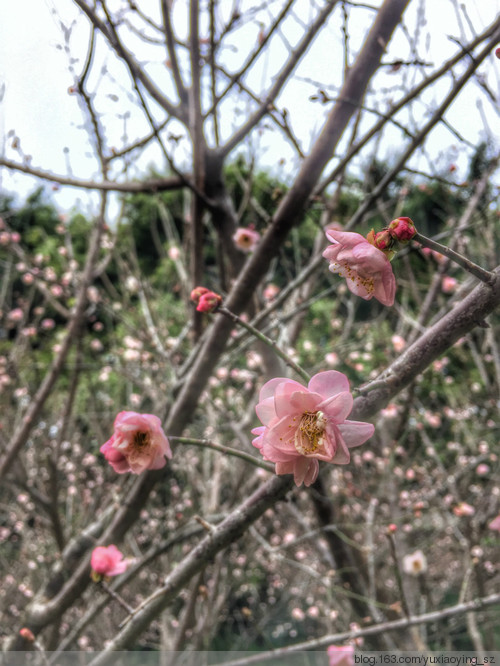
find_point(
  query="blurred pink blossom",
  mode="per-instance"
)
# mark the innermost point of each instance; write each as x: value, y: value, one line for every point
x: 448, y: 284
x: 271, y: 291
x: 398, y: 342
x: 340, y: 655
x: 464, y: 509
x: 495, y: 524
x: 304, y: 425
x: 482, y: 469
x: 47, y: 324
x: 137, y: 444
x: 15, y: 315
x: 246, y: 239
x: 107, y: 561
x: 366, y: 269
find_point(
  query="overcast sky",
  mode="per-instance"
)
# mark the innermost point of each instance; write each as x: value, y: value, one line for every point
x: 37, y: 73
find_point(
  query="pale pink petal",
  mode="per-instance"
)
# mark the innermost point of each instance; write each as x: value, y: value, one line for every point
x: 266, y: 410
x: 345, y: 238
x: 355, y: 433
x: 338, y: 407
x: 267, y: 391
x: 329, y: 383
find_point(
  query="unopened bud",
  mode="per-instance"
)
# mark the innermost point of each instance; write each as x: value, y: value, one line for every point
x: 209, y: 302
x: 198, y: 292
x: 402, y: 229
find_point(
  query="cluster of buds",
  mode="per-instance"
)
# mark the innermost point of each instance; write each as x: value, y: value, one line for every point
x: 400, y: 230
x: 206, y: 300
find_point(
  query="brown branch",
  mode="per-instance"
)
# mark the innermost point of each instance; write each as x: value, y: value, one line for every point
x: 154, y: 185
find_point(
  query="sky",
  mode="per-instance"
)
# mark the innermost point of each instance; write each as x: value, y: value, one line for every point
x: 37, y: 72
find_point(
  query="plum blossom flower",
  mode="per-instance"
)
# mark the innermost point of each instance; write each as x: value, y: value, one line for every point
x: 340, y: 655
x: 415, y: 563
x: 246, y: 239
x: 304, y: 425
x: 107, y: 561
x: 137, y: 444
x: 367, y: 270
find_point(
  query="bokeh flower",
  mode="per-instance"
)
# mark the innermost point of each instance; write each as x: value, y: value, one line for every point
x: 304, y: 425
x: 495, y: 524
x: 340, y: 655
x: 246, y: 239
x: 137, y: 444
x: 107, y: 561
x: 415, y: 563
x: 367, y: 270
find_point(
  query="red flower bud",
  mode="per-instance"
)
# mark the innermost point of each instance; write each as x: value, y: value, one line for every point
x: 198, y: 292
x: 209, y: 302
x: 402, y: 229
x: 497, y: 52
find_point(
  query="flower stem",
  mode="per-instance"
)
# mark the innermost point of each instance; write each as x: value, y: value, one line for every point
x: 485, y: 276
x: 263, y: 338
x: 116, y: 597
x: 223, y: 449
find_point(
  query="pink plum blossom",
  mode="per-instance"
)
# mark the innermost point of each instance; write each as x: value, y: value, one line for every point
x: 137, y: 444
x: 107, y: 561
x: 246, y: 239
x: 304, y: 425
x: 340, y: 655
x: 15, y: 315
x: 367, y: 270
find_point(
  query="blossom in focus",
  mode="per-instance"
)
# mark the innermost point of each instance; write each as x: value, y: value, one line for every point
x: 137, y: 444
x: 495, y: 524
x: 402, y: 229
x: 367, y: 270
x: 107, y: 561
x: 415, y: 563
x: 304, y: 425
x: 246, y: 239
x: 340, y: 655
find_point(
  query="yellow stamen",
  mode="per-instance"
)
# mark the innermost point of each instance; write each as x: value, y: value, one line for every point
x: 309, y: 434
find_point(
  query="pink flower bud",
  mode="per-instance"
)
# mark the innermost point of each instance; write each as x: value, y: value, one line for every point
x: 209, y: 302
x: 402, y: 229
x: 198, y: 292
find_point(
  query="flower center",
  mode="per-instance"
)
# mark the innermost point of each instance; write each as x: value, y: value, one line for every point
x: 141, y: 439
x: 309, y: 434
